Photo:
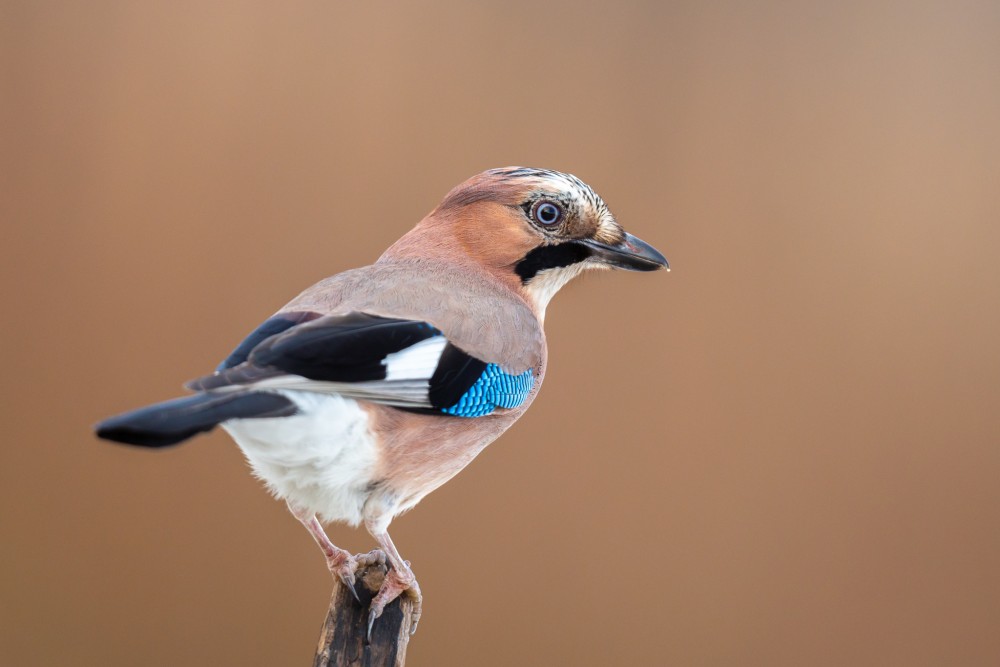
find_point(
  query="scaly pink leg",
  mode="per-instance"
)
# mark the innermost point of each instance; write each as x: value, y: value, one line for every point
x: 341, y: 563
x: 398, y: 580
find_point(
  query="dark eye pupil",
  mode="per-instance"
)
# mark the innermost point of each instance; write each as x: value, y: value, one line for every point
x: 547, y: 213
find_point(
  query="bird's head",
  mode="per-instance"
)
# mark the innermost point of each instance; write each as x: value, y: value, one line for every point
x: 534, y: 228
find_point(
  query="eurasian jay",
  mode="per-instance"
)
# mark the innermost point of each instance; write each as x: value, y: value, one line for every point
x: 376, y: 386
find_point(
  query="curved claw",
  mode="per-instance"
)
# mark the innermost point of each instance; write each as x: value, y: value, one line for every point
x: 350, y: 583
x: 371, y: 623
x: 344, y: 570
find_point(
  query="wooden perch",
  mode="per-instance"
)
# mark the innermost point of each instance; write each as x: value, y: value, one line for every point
x: 343, y: 641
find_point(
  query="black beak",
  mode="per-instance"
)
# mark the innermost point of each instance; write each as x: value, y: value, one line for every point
x: 632, y: 254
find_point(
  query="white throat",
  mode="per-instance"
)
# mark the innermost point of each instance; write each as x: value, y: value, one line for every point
x: 543, y: 286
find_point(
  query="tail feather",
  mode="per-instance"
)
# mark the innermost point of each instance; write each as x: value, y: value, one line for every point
x: 172, y: 422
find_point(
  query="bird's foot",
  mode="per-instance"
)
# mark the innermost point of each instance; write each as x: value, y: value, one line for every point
x: 344, y: 566
x: 396, y: 583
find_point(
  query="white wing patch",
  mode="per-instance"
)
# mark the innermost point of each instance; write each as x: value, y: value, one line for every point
x: 416, y: 362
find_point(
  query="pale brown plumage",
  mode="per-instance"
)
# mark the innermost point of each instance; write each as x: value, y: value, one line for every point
x: 465, y: 289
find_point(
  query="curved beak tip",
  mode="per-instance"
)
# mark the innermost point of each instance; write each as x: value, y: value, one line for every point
x: 631, y: 254
x: 644, y: 256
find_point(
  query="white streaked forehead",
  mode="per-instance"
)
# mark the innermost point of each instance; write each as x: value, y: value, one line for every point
x: 558, y: 182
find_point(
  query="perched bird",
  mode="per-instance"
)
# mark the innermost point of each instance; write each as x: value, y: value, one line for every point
x: 375, y: 386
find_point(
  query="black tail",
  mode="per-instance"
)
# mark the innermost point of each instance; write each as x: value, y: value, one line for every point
x: 172, y: 422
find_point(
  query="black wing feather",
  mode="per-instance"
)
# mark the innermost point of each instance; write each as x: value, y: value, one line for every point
x: 346, y: 348
x: 455, y: 373
x: 271, y: 327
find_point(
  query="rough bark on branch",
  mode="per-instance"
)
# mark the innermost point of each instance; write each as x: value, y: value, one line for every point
x: 343, y: 641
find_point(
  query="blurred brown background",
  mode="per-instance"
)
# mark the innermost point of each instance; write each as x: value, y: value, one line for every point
x: 785, y: 452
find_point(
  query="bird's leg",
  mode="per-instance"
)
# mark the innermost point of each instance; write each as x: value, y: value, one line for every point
x: 341, y: 563
x: 398, y: 579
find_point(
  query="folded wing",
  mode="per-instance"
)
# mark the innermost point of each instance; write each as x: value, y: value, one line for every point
x: 399, y: 362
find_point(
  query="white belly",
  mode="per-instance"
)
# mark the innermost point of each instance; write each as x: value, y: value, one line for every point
x: 322, y: 459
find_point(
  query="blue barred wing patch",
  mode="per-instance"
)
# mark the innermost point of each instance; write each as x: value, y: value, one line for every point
x: 494, y: 389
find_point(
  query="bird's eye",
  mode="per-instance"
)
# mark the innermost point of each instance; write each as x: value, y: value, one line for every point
x: 547, y: 213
